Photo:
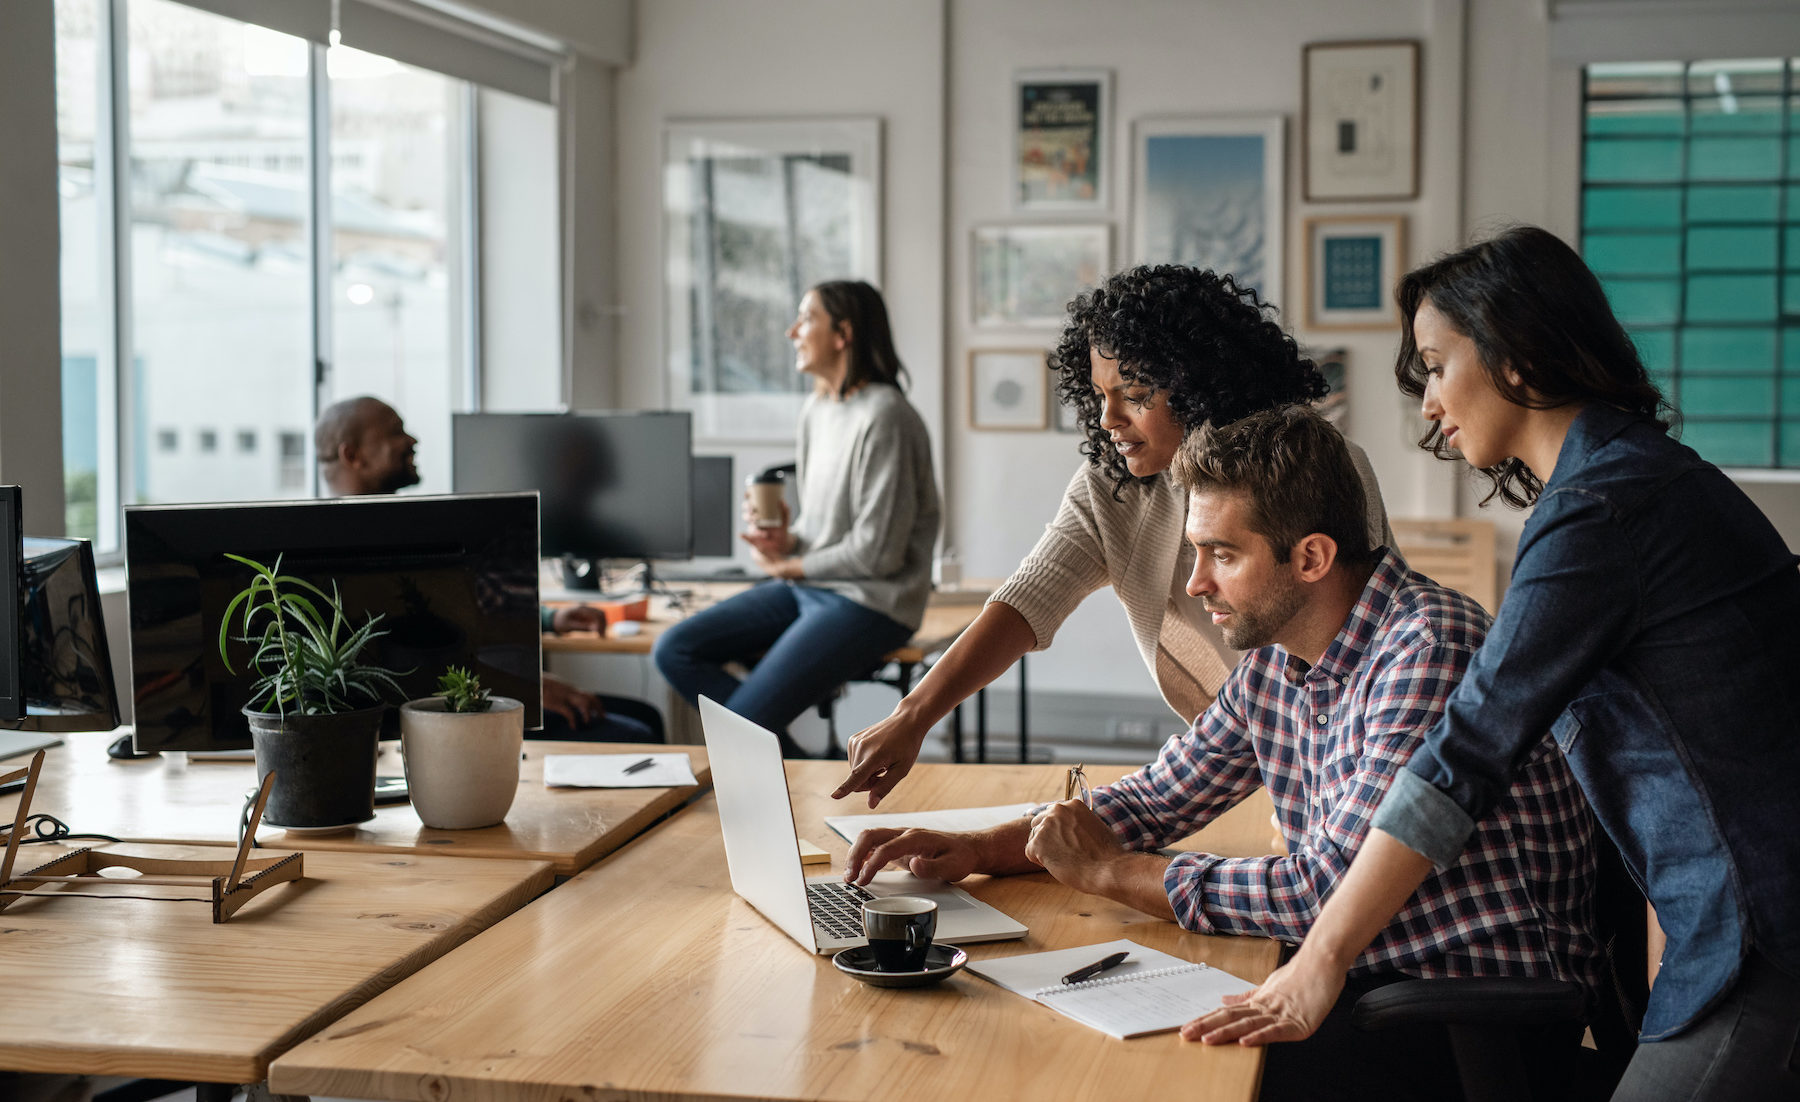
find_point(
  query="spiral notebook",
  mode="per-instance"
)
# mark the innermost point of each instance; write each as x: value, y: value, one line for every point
x: 1152, y: 992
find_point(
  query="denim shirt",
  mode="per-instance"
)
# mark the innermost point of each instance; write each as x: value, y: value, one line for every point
x: 1653, y: 626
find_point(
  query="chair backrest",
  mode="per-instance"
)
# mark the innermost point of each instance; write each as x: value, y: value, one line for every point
x: 1619, y: 916
x: 1454, y: 552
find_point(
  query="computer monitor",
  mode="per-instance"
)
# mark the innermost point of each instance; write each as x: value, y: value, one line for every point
x: 12, y: 638
x: 65, y: 669
x: 612, y: 485
x: 715, y: 506
x: 454, y: 579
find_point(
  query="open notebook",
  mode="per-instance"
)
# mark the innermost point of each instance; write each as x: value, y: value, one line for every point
x: 1151, y: 992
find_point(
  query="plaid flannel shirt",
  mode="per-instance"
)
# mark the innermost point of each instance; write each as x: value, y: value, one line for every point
x: 1327, y: 740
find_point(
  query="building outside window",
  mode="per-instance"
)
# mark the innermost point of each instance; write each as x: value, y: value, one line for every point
x: 1690, y: 215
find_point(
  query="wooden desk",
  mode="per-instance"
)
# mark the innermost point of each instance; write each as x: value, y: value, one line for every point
x: 645, y: 977
x: 140, y: 988
x: 160, y: 800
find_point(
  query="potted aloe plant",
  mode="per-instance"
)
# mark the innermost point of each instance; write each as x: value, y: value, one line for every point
x: 462, y: 753
x: 316, y: 705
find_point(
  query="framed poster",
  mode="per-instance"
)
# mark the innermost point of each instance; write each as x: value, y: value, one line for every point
x: 1207, y: 192
x: 1060, y: 131
x: 1352, y: 264
x: 1025, y: 275
x: 1007, y: 388
x: 754, y: 213
x: 1360, y: 112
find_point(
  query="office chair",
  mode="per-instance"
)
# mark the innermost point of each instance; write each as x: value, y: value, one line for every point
x: 1493, y: 1023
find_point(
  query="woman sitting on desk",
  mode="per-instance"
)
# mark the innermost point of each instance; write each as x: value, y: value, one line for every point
x: 853, y: 570
x: 1146, y: 356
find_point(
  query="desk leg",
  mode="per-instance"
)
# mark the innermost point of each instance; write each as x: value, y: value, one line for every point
x: 1024, y: 755
x: 981, y: 726
x: 956, y: 746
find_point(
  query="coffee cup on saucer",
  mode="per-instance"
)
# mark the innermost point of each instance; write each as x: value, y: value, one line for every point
x: 899, y: 929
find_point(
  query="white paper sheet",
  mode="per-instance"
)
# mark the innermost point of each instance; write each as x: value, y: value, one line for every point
x: 964, y: 818
x: 608, y: 771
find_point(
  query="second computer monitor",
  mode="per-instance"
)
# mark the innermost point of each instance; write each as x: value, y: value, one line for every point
x: 612, y: 485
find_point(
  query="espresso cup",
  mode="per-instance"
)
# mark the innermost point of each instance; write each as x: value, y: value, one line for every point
x: 899, y: 929
x: 765, y: 500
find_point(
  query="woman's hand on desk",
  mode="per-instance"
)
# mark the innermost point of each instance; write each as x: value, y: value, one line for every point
x: 1289, y: 1006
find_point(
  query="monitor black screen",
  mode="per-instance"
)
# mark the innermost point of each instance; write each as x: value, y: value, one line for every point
x: 453, y: 578
x: 613, y: 485
x: 65, y: 667
x: 12, y: 698
x: 715, y: 506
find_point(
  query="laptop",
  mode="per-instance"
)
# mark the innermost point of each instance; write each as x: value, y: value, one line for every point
x: 823, y: 914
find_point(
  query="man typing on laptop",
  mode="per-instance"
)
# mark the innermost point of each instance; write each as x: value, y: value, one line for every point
x: 1354, y: 656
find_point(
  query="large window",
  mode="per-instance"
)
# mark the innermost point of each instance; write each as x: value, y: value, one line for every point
x: 254, y: 225
x: 1691, y: 217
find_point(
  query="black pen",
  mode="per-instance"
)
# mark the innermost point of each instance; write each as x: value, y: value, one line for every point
x: 637, y: 765
x: 1095, y: 968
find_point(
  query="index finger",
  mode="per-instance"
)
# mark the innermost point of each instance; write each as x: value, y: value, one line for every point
x: 859, y: 849
x: 862, y: 774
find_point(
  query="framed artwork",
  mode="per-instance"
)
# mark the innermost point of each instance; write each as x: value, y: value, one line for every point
x: 1062, y: 417
x: 1026, y: 274
x: 754, y: 213
x: 1335, y: 406
x: 1007, y: 388
x: 1208, y: 192
x: 1352, y: 264
x: 1360, y: 112
x: 1060, y: 134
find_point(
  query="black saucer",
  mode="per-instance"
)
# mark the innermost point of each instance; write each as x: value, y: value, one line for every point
x: 940, y: 961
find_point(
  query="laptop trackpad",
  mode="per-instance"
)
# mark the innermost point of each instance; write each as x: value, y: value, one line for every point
x: 948, y: 898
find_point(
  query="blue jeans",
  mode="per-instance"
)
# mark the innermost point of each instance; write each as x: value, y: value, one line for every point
x: 811, y: 641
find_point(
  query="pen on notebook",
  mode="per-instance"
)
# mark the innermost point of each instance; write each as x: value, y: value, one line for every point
x: 640, y: 765
x: 1095, y: 968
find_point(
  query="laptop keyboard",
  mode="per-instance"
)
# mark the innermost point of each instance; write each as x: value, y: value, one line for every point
x: 837, y: 907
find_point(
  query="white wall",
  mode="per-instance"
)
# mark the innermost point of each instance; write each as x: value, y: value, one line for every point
x: 1168, y: 58
x: 30, y: 341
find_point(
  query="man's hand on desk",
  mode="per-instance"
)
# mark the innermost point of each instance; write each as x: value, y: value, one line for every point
x: 1289, y: 1006
x: 580, y: 708
x: 575, y: 618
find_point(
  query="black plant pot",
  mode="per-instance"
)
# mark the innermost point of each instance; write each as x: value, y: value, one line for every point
x: 324, y: 767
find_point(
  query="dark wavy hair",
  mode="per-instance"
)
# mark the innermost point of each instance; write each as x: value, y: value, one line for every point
x: 1530, y: 305
x: 872, y: 355
x: 1208, y: 347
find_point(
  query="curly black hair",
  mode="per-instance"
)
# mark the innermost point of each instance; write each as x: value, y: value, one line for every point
x: 1205, y: 345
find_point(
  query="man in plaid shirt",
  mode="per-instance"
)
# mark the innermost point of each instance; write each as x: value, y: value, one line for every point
x: 1355, y: 656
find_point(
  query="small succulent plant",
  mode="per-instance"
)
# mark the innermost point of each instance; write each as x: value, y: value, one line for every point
x: 462, y: 691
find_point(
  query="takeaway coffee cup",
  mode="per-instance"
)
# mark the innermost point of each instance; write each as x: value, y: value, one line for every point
x: 899, y: 929
x: 765, y: 499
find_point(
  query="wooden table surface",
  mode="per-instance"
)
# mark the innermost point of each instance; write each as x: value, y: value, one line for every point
x: 945, y: 619
x: 647, y: 978
x: 163, y: 800
x: 136, y: 987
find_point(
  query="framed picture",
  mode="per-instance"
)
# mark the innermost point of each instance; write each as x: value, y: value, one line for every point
x: 1332, y: 363
x: 1208, y: 192
x: 1007, y: 388
x: 1352, y: 264
x: 1026, y: 275
x: 1060, y: 135
x: 1360, y: 112
x: 751, y: 211
x: 1062, y: 417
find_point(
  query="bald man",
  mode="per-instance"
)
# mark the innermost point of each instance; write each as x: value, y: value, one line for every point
x: 363, y: 448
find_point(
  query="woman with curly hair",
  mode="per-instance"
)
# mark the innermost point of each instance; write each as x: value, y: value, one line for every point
x: 1144, y: 357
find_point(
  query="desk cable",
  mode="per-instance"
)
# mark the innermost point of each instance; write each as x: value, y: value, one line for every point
x: 44, y: 827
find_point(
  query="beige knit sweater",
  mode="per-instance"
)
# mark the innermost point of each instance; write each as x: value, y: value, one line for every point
x: 1136, y: 545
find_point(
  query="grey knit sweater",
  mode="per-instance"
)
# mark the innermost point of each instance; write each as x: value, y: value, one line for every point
x: 1136, y: 546
x: 869, y: 510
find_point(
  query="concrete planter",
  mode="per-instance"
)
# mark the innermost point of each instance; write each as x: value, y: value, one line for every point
x: 462, y: 768
x: 324, y: 767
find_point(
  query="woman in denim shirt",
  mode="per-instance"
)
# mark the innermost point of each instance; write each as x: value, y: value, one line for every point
x: 1652, y: 624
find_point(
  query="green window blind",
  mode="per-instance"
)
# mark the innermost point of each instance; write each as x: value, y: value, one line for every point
x: 1690, y: 216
